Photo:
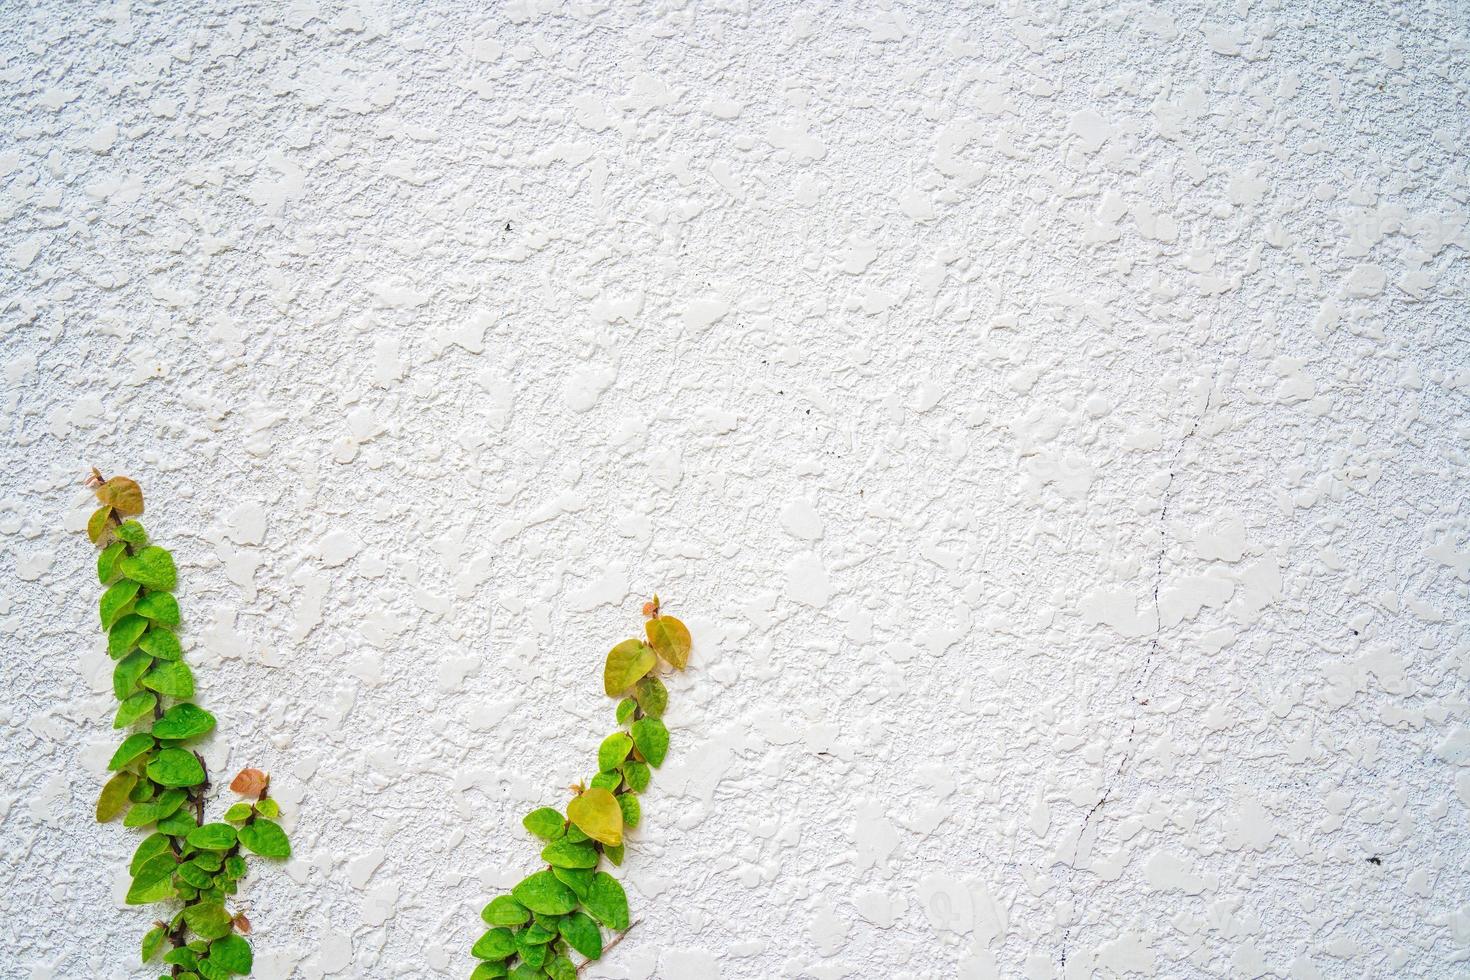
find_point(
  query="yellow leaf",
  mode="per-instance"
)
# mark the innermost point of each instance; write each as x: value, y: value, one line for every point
x: 123, y: 495
x: 597, y: 814
x: 626, y: 662
x: 671, y: 639
x: 97, y: 524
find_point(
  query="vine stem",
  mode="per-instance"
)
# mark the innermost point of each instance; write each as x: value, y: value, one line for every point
x: 608, y: 948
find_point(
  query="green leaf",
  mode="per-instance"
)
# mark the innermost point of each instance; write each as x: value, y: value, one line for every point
x: 176, y: 767
x: 126, y: 674
x: 613, y: 751
x: 652, y: 739
x: 153, y: 567
x: 178, y: 823
x: 532, y: 954
x: 607, y: 902
x: 626, y: 707
x: 165, y: 804
x: 161, y: 607
x: 542, y: 892
x: 488, y: 971
x: 265, y: 838
x: 124, y: 634
x: 652, y: 696
x: 525, y: 971
x: 596, y: 812
x: 194, y: 875
x: 577, y: 879
x: 212, y: 837
x: 132, y: 532
x: 234, y: 867
x: 609, y: 781
x: 545, y: 823
x: 115, y: 600
x: 208, y: 920
x: 153, y: 942
x: 574, y: 835
x: 561, y: 968
x: 133, y: 746
x: 210, y: 861
x: 632, y: 810
x: 183, y: 721
x: 143, y: 792
x: 670, y: 639
x: 171, y: 678
x: 114, y: 797
x: 239, y: 813
x: 504, y: 910
x: 268, y: 808
x: 133, y: 708
x: 108, y: 559
x: 161, y: 643
x: 150, y: 847
x: 182, y: 955
x: 232, y: 953
x: 582, y: 934
x: 626, y: 662
x: 614, y: 854
x: 153, y: 881
x: 496, y: 944
x: 564, y: 854
x: 637, y: 774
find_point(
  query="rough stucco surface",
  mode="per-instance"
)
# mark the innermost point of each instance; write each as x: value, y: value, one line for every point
x: 1051, y: 420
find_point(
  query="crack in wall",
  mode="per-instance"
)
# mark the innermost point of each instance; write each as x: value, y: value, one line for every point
x: 1153, y: 649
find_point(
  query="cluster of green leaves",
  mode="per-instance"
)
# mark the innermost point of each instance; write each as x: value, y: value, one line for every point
x: 158, y: 781
x: 564, y: 907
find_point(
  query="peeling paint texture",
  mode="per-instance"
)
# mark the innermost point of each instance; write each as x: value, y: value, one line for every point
x: 1051, y: 419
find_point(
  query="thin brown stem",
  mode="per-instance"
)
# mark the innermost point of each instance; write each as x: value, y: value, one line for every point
x: 609, y: 947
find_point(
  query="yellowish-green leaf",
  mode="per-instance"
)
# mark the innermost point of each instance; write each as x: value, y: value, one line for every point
x: 670, y: 639
x: 626, y: 662
x: 114, y: 798
x: 99, y: 524
x: 613, y: 751
x: 598, y: 815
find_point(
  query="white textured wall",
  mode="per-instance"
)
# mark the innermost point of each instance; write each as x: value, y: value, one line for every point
x: 1051, y: 419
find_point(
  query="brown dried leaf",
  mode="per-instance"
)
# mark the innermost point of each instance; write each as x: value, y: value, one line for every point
x: 242, y: 924
x: 122, y: 495
x: 251, y: 782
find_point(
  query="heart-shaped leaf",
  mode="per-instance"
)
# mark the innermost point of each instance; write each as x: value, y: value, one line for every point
x: 613, y: 751
x: 626, y: 662
x: 607, y: 902
x: 543, y: 894
x: 265, y: 838
x: 212, y: 837
x: 582, y: 934
x: 670, y: 639
x: 133, y: 746
x: 114, y: 797
x: 121, y: 494
x: 176, y: 767
x: 652, y: 740
x: 115, y: 601
x: 505, y: 911
x: 232, y: 954
x: 183, y: 721
x: 597, y: 814
x: 154, y: 567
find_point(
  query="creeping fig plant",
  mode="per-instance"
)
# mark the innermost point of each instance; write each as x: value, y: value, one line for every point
x: 564, y: 907
x: 158, y: 780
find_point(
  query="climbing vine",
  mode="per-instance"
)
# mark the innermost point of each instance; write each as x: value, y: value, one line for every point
x: 158, y: 780
x: 564, y: 907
